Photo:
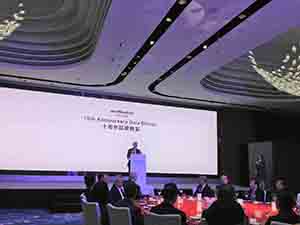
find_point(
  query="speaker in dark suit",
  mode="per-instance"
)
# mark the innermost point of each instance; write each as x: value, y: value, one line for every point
x: 133, y: 150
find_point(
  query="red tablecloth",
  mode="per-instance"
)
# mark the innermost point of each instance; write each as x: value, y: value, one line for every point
x: 256, y: 212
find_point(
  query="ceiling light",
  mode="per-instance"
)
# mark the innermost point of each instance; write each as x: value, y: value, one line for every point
x: 287, y: 76
x: 189, y: 57
x: 152, y: 42
x: 242, y: 16
x: 205, y: 47
x: 169, y: 20
x: 124, y: 74
x: 9, y: 25
x: 182, y: 2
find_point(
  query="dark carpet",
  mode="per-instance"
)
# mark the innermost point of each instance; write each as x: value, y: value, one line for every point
x: 38, y: 217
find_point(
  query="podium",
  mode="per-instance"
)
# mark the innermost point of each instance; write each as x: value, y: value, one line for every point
x: 138, y: 166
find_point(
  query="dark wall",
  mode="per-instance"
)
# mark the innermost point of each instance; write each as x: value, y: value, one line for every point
x: 238, y: 128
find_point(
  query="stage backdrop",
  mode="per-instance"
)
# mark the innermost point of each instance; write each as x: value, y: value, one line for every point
x: 55, y: 132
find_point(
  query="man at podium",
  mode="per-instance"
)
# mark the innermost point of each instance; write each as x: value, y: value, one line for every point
x: 133, y: 150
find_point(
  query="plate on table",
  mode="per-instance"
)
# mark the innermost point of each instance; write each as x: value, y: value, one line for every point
x: 198, y: 217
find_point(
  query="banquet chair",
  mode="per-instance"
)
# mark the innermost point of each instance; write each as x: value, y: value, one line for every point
x: 279, y: 223
x: 91, y: 212
x: 83, y: 197
x: 119, y: 215
x: 155, y: 219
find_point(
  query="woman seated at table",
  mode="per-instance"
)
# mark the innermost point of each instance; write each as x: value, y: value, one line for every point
x: 170, y: 194
x: 225, y: 210
x: 285, y: 203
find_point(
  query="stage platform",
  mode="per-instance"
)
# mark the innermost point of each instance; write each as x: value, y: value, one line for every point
x: 23, y: 182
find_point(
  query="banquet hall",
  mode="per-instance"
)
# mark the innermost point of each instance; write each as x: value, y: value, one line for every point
x: 113, y: 111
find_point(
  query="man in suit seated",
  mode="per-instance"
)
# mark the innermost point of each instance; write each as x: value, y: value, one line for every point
x: 117, y: 192
x: 89, y: 181
x: 102, y: 182
x: 132, y: 179
x: 130, y: 202
x: 204, y: 189
x: 224, y: 180
x: 280, y: 186
x: 170, y: 194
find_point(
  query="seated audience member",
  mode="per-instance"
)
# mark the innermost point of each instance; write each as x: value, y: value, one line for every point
x: 101, y: 184
x: 256, y: 193
x: 89, y: 181
x: 204, y: 189
x: 101, y: 195
x: 224, y: 180
x: 285, y: 203
x: 132, y: 179
x: 130, y: 202
x: 117, y: 191
x: 170, y: 194
x: 280, y: 186
x: 225, y: 210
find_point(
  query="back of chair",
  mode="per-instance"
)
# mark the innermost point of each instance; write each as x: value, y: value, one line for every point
x: 91, y: 212
x: 119, y: 215
x: 155, y: 219
x: 279, y: 223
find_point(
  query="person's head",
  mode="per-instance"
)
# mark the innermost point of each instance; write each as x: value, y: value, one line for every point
x: 285, y: 201
x: 260, y: 157
x: 261, y: 185
x: 119, y: 181
x: 224, y: 179
x: 280, y: 184
x: 131, y: 190
x: 202, y: 180
x: 226, y: 193
x: 89, y: 181
x: 170, y: 193
x: 253, y: 184
x: 132, y: 176
x: 135, y: 144
x: 103, y: 178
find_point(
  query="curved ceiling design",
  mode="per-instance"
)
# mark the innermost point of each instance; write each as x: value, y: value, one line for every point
x: 120, y: 47
x: 228, y: 80
x: 55, y: 32
x: 245, y: 14
x: 55, y: 56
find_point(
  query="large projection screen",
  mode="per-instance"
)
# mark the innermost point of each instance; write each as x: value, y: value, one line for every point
x: 43, y: 131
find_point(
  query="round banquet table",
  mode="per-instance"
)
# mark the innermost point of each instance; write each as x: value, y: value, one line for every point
x: 257, y: 212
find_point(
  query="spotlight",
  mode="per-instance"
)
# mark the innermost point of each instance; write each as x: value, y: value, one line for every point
x: 182, y: 2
